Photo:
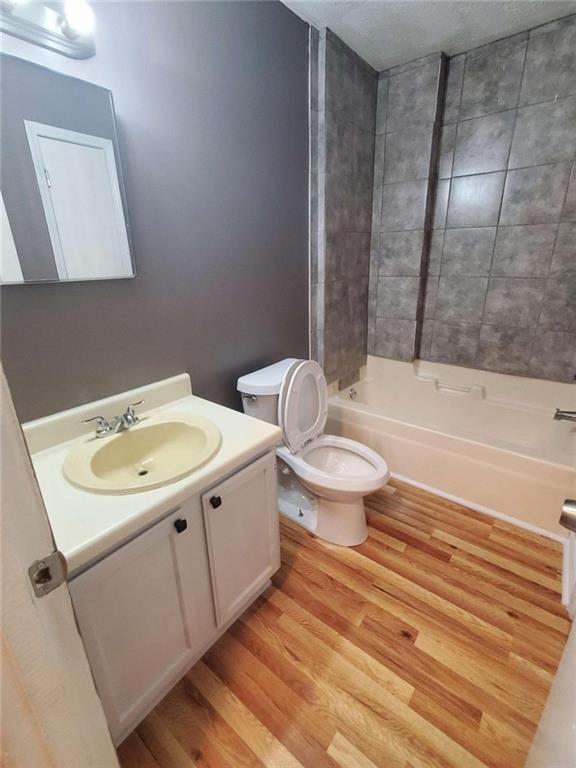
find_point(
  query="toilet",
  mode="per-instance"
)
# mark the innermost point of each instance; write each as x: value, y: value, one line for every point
x: 322, y: 478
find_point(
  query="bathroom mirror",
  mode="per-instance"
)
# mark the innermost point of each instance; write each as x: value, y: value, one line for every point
x: 63, y: 205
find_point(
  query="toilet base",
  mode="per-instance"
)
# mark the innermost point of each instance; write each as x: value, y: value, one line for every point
x: 339, y: 522
x: 342, y: 522
x: 298, y: 508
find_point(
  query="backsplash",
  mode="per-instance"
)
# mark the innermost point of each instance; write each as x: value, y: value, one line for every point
x: 501, y: 290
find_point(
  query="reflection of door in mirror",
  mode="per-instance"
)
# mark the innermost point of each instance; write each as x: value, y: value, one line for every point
x: 78, y: 183
x: 10, y: 269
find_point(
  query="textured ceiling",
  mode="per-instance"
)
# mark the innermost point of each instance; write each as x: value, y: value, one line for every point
x: 389, y: 32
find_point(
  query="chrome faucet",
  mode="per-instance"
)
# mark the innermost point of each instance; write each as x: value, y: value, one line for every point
x: 105, y: 428
x: 561, y: 415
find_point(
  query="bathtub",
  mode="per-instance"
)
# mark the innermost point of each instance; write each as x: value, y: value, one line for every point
x: 484, y: 439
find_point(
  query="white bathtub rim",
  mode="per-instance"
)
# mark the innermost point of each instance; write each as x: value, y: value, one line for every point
x: 563, y: 540
x: 523, y: 407
x: 339, y: 402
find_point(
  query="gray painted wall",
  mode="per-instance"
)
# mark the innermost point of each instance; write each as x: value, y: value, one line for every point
x: 212, y: 108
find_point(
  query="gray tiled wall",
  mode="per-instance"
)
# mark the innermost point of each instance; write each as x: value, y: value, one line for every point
x: 501, y: 289
x: 343, y: 114
x: 468, y: 255
x: 407, y: 130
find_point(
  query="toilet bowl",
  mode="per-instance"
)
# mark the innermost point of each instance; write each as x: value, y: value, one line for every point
x: 334, y: 473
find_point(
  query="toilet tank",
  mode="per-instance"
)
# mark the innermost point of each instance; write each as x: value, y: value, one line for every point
x: 260, y: 390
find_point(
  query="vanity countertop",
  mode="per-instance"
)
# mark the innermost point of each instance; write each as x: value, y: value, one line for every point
x: 88, y: 525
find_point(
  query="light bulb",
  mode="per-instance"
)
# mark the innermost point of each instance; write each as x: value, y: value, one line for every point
x: 78, y: 18
x: 10, y: 5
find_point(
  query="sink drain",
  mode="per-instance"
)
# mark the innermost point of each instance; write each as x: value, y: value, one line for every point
x: 142, y: 472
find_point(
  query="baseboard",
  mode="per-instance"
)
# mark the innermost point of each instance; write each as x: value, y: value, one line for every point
x: 564, y: 540
x: 569, y: 575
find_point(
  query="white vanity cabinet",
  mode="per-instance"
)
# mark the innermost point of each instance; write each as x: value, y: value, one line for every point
x: 149, y: 610
x: 144, y: 612
x: 241, y: 520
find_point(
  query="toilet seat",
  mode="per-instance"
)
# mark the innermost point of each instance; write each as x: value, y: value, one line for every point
x: 338, y: 464
x: 303, y: 403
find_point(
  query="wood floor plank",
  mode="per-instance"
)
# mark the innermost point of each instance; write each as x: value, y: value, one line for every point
x: 399, y: 595
x: 345, y: 647
x: 201, y: 731
x: 485, y: 537
x: 510, y: 582
x: 252, y: 732
x: 347, y: 755
x: 413, y: 568
x: 518, y: 611
x: 551, y: 580
x: 133, y: 753
x: 436, y: 509
x: 163, y: 744
x: 374, y: 713
x: 269, y: 700
x: 428, y: 617
x: 522, y: 693
x: 343, y: 600
x: 431, y: 645
x: 513, y: 596
x: 492, y: 749
x: 523, y: 547
x: 522, y: 534
x: 330, y: 703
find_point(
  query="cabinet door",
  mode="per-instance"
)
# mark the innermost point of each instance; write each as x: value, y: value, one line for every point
x: 145, y: 612
x: 242, y: 530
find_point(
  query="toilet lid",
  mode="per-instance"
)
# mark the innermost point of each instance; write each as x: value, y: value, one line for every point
x: 303, y: 404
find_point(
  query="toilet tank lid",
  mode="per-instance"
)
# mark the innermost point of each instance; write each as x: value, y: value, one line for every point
x: 266, y: 381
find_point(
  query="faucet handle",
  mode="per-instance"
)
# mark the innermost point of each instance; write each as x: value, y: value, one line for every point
x: 130, y: 417
x: 100, y: 419
x: 103, y: 426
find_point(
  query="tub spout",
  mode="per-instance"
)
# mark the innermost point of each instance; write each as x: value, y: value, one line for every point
x: 561, y: 415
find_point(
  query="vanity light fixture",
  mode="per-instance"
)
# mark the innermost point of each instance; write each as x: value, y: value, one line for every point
x: 65, y: 27
x: 78, y: 19
x: 9, y: 5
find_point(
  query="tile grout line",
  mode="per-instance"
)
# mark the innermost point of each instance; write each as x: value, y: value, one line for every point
x: 449, y: 180
x: 505, y: 170
x: 498, y: 217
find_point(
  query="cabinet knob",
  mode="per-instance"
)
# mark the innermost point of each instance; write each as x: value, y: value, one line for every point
x: 180, y: 525
x: 215, y: 501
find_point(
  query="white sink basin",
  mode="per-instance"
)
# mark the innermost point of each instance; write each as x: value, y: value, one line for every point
x: 156, y: 452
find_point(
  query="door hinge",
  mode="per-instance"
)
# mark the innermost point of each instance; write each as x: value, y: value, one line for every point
x: 48, y: 179
x: 48, y: 573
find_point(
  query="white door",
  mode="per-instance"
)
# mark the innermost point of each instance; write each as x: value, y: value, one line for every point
x: 242, y: 529
x: 10, y: 269
x: 78, y: 183
x: 145, y: 612
x: 554, y: 744
x: 51, y: 713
